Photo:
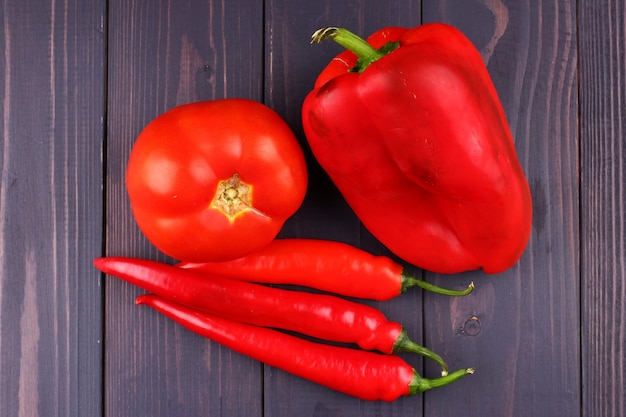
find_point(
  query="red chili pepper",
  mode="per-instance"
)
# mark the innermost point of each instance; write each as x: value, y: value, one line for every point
x: 329, y: 266
x: 317, y: 315
x: 409, y: 127
x: 362, y: 374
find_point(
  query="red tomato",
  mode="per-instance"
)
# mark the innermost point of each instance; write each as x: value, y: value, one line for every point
x: 215, y: 180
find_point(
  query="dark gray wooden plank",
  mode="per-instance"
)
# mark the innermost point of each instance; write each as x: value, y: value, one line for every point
x: 520, y: 329
x: 602, y: 36
x: 162, y: 54
x: 292, y: 66
x: 52, y: 95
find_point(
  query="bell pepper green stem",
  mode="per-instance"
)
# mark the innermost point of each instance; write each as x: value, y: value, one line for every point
x: 405, y: 344
x: 421, y: 384
x: 409, y: 281
x: 363, y: 50
x: 349, y: 41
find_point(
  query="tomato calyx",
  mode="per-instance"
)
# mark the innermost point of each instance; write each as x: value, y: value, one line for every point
x: 233, y: 197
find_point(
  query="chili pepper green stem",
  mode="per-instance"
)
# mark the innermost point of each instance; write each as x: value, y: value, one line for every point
x: 421, y: 384
x: 404, y: 344
x: 366, y: 52
x: 409, y: 281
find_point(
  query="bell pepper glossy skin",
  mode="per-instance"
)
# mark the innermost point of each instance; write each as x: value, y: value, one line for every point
x: 419, y: 146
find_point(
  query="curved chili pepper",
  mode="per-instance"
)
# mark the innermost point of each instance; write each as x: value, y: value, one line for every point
x: 317, y: 315
x: 366, y: 375
x: 324, y: 265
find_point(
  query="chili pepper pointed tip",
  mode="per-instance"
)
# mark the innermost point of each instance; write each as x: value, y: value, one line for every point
x: 142, y: 299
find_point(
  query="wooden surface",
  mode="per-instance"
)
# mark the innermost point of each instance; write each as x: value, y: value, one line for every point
x: 81, y: 78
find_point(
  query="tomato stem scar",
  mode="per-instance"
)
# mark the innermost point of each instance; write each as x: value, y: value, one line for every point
x: 233, y: 197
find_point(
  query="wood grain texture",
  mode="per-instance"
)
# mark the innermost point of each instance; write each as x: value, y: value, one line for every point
x: 520, y: 329
x: 52, y: 95
x: 162, y: 54
x: 602, y: 36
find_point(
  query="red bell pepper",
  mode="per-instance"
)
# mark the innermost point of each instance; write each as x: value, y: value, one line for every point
x: 409, y: 127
